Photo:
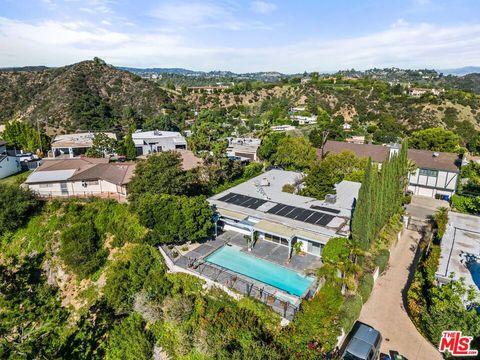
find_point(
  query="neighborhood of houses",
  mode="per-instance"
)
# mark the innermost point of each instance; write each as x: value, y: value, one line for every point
x: 258, y: 217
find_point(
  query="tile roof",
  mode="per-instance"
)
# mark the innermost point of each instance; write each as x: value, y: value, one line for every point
x: 378, y: 153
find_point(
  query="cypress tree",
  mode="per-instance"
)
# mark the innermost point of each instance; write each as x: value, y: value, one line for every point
x: 130, y: 150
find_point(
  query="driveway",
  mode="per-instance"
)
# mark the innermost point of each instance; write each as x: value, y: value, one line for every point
x: 385, y: 309
x: 422, y: 207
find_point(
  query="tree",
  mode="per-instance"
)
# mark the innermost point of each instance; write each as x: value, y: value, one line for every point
x: 326, y: 128
x: 16, y: 206
x: 324, y: 174
x: 23, y: 136
x: 130, y: 340
x: 294, y: 153
x: 80, y: 248
x: 175, y: 218
x: 161, y: 122
x: 269, y: 145
x: 102, y: 145
x: 435, y: 139
x: 160, y: 174
x: 130, y: 151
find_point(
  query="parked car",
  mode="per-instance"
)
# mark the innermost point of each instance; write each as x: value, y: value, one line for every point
x: 364, y: 344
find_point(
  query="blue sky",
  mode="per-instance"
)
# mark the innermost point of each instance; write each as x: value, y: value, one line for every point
x: 288, y: 36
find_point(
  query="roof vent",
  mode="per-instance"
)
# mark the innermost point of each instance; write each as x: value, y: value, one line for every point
x: 436, y: 154
x: 265, y: 182
x: 331, y: 198
x: 157, y: 133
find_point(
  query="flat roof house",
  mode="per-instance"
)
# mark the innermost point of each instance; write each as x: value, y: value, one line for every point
x: 244, y: 148
x: 81, y: 177
x: 436, y: 174
x: 151, y: 142
x: 75, y: 145
x: 260, y: 209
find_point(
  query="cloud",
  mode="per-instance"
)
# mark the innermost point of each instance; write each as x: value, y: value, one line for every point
x: 57, y: 43
x: 263, y: 7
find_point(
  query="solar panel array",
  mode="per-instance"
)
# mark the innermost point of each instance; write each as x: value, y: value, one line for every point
x: 243, y: 200
x: 323, y: 208
x: 287, y: 211
x: 304, y: 215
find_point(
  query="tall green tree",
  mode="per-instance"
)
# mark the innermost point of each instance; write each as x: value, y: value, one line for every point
x: 435, y: 139
x: 23, y: 136
x: 102, y: 145
x: 294, y: 153
x: 16, y: 206
x: 130, y: 151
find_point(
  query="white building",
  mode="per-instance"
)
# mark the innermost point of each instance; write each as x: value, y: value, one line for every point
x: 282, y: 128
x: 305, y: 120
x: 9, y: 165
x: 244, y: 148
x: 75, y: 145
x: 151, y: 142
x: 81, y: 177
x: 259, y: 208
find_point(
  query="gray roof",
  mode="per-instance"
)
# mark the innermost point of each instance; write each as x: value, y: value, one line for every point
x: 276, y: 179
x: 460, y: 249
x: 49, y: 176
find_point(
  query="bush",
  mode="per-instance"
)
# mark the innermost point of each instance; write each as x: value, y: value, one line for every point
x: 365, y: 286
x: 381, y: 260
x: 16, y: 205
x: 288, y: 188
x: 80, y: 249
x: 350, y: 311
x: 335, y: 250
x: 466, y: 205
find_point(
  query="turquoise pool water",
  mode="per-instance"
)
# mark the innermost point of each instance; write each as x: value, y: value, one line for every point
x: 265, y: 271
x: 474, y: 268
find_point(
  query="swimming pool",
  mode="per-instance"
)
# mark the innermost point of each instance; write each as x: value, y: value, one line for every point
x: 474, y: 268
x: 232, y: 258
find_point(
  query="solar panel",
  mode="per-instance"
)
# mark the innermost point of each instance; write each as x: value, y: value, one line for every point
x: 330, y: 210
x: 285, y: 211
x: 296, y: 212
x: 276, y: 209
x: 257, y: 203
x: 242, y: 200
x: 325, y: 220
x: 304, y: 215
x: 227, y: 197
x: 314, y: 217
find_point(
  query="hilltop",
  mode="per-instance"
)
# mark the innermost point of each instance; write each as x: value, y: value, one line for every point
x: 86, y: 95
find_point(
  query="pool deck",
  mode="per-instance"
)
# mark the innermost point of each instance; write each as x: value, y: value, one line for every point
x: 281, y: 301
x: 270, y: 251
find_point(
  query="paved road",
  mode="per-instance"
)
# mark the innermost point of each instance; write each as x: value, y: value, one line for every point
x: 385, y: 310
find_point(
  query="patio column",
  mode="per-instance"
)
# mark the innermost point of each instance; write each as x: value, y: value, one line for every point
x: 289, y: 248
x: 252, y: 238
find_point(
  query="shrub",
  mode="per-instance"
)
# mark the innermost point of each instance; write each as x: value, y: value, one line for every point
x: 467, y: 205
x: 441, y: 221
x: 335, y: 250
x: 288, y: 188
x: 80, y: 249
x: 16, y: 205
x: 381, y: 260
x: 365, y: 286
x: 350, y: 311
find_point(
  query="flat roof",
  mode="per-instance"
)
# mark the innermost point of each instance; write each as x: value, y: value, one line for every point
x: 460, y: 247
x: 78, y: 140
x: 267, y: 194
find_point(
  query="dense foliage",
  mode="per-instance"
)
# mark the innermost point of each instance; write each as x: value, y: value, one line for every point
x: 434, y: 139
x: 16, y: 206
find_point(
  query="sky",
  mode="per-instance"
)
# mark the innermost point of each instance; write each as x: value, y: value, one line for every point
x: 243, y: 35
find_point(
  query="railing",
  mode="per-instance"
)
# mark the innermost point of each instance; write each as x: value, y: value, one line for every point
x: 59, y: 194
x: 236, y: 282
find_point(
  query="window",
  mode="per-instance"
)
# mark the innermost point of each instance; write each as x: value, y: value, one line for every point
x: 45, y: 186
x: 427, y: 172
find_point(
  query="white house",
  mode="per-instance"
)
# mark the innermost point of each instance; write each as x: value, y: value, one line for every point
x: 259, y: 208
x: 151, y: 142
x: 75, y: 145
x: 9, y: 165
x: 81, y: 177
x: 436, y: 175
x: 282, y: 128
x: 305, y: 120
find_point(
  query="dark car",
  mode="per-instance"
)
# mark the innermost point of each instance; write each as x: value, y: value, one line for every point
x: 364, y: 344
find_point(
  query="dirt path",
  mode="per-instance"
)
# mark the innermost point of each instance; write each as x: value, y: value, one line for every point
x: 385, y: 309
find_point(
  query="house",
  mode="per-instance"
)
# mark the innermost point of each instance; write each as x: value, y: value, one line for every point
x: 75, y: 145
x: 356, y: 139
x: 9, y: 165
x: 282, y: 128
x: 460, y: 250
x: 418, y: 92
x: 260, y: 209
x: 244, y: 148
x: 81, y: 177
x: 347, y: 126
x: 305, y: 120
x: 151, y: 142
x: 436, y: 175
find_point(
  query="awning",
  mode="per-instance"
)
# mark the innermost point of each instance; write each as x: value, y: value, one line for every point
x: 275, y: 229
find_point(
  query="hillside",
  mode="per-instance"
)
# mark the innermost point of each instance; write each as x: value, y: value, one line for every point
x: 86, y: 95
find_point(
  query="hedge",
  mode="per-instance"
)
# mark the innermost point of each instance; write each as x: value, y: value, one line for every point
x: 365, y: 286
x: 381, y: 260
x: 350, y: 311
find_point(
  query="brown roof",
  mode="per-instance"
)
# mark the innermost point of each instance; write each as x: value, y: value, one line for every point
x: 70, y: 164
x: 424, y: 159
x: 189, y: 160
x: 115, y: 173
x: 378, y: 153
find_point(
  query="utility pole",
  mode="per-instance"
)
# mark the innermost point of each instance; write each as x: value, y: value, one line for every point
x: 39, y: 137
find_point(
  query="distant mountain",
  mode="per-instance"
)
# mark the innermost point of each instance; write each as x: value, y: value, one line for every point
x: 89, y: 95
x: 25, y: 68
x: 177, y: 71
x: 461, y: 71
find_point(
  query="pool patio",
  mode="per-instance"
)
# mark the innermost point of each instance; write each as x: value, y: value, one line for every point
x: 263, y: 249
